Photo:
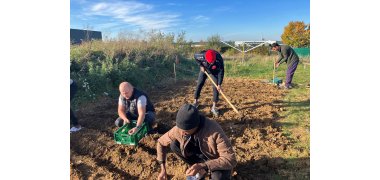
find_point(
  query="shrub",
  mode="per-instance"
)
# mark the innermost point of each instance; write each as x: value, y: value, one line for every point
x: 100, y: 66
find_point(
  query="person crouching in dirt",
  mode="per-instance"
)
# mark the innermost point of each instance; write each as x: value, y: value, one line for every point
x: 199, y: 142
x: 73, y: 119
x: 212, y: 62
x: 134, y: 105
x: 288, y: 55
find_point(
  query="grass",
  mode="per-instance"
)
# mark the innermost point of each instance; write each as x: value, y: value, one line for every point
x: 295, y: 123
x: 297, y: 111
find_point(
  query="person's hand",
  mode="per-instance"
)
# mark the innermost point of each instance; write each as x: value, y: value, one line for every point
x: 219, y: 88
x: 132, y: 131
x: 202, y: 69
x: 162, y: 175
x: 277, y: 64
x: 194, y: 169
x: 126, y: 121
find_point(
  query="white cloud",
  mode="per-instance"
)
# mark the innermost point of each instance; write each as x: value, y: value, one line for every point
x: 134, y: 13
x: 107, y: 25
x: 201, y: 18
x: 99, y: 7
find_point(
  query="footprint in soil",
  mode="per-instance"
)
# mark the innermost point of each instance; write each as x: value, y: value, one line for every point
x: 122, y: 152
x: 127, y: 151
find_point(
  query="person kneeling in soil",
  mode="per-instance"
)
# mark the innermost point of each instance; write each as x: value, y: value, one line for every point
x: 288, y: 55
x: 134, y: 104
x: 200, y: 142
x: 212, y: 62
x: 73, y: 119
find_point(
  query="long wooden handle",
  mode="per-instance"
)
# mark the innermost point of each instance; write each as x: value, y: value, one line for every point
x: 274, y: 70
x: 221, y: 92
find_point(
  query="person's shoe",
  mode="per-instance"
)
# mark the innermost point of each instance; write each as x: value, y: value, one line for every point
x: 289, y: 87
x: 281, y: 86
x: 75, y: 129
x: 215, y: 112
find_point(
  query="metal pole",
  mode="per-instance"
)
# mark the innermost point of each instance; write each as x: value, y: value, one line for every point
x: 255, y: 47
x: 231, y: 46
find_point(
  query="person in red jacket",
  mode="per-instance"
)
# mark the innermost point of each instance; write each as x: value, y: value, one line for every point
x: 212, y: 62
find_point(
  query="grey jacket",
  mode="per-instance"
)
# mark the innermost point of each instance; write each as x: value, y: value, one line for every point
x: 288, y: 55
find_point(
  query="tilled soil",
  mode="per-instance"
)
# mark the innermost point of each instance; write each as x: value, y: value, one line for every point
x: 256, y: 135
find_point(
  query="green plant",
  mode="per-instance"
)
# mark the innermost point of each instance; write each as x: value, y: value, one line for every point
x: 100, y: 66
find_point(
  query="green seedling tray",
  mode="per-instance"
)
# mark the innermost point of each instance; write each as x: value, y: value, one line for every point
x: 121, y: 135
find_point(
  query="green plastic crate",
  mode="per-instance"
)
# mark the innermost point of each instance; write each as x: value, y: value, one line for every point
x: 121, y: 136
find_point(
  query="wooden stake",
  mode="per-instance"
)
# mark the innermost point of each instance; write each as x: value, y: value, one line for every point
x: 274, y: 69
x: 175, y: 75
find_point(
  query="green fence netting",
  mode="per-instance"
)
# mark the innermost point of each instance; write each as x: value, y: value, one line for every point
x: 302, y: 52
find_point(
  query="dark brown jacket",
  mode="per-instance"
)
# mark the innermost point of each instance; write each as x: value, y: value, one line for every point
x: 213, y: 143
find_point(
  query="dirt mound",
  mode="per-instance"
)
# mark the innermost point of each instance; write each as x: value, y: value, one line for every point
x: 257, y: 138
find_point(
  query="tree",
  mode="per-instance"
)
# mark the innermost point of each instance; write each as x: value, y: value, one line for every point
x: 181, y: 44
x: 296, y: 34
x: 213, y: 42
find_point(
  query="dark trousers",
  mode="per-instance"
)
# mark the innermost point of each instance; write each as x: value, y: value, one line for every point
x: 201, y: 81
x: 215, y: 175
x: 73, y: 90
x: 149, y: 118
x: 290, y: 73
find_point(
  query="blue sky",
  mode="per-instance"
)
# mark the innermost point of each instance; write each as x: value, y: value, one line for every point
x: 232, y: 20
